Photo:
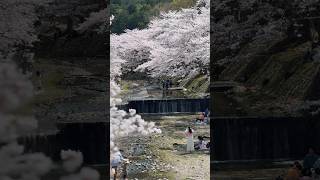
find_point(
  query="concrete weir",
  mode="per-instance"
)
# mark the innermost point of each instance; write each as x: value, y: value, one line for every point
x: 263, y: 138
x: 167, y: 106
x: 89, y: 138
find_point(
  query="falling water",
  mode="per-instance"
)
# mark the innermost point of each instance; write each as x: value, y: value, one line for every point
x: 89, y: 138
x: 164, y: 106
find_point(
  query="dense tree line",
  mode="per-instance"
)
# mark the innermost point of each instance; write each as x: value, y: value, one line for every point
x: 132, y: 14
x: 266, y: 47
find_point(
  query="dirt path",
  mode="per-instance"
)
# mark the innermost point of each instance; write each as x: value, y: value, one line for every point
x: 163, y: 156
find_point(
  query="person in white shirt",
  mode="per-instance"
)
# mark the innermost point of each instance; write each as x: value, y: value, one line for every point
x: 189, y: 134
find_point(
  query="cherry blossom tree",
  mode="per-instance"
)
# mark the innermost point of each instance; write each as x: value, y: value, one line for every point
x: 178, y: 43
x: 174, y: 44
x: 16, y: 32
x: 96, y: 20
x: 236, y: 24
x: 122, y: 123
x: 17, y: 25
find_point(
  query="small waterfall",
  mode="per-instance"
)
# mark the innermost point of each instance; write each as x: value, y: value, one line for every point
x: 46, y: 143
x: 89, y: 138
x: 174, y: 106
x: 270, y: 138
x: 165, y: 106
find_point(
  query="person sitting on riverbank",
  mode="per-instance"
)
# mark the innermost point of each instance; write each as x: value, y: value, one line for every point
x: 206, y: 112
x: 201, y: 144
x: 198, y: 144
x: 207, y: 118
x: 310, y: 159
x: 200, y: 118
x: 294, y: 172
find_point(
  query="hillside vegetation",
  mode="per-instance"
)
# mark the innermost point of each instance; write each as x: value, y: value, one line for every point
x: 271, y: 49
x: 132, y: 14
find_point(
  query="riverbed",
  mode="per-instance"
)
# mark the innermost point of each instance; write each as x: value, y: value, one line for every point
x: 164, y: 156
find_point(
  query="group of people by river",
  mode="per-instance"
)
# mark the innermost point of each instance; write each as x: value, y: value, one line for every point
x: 204, y: 117
x: 119, y: 161
x: 201, y: 144
x: 308, y: 170
x: 166, y: 84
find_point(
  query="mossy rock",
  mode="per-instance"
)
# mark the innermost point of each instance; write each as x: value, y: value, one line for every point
x: 197, y: 85
x: 51, y: 90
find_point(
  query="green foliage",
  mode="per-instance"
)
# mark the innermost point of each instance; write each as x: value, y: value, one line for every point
x: 132, y: 14
x: 197, y: 85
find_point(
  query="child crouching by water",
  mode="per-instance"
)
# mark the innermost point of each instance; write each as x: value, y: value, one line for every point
x: 116, y: 162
